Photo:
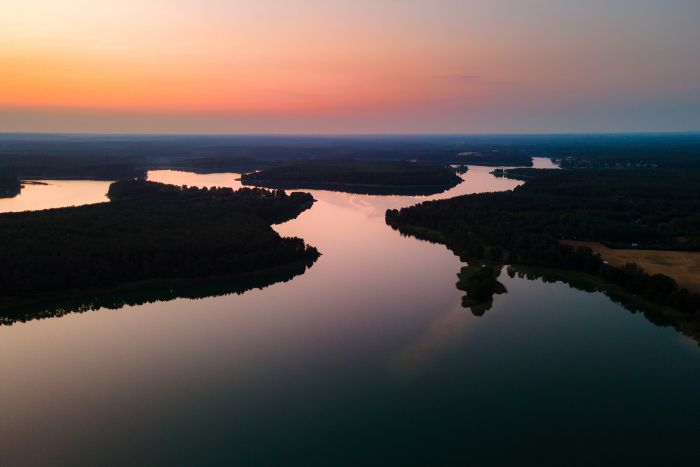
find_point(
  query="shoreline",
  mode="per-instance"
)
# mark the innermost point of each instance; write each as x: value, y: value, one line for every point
x: 336, y: 186
x: 659, y: 314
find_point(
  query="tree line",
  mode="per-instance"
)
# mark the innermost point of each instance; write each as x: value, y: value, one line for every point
x: 657, y: 209
x: 9, y: 187
x: 354, y: 175
x: 149, y: 231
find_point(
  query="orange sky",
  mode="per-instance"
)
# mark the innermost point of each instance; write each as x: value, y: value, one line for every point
x: 300, y: 66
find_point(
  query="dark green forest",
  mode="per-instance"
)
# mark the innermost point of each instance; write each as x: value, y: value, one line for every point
x: 651, y: 209
x: 9, y: 187
x: 494, y: 157
x: 379, y: 177
x: 149, y: 231
x: 113, y: 157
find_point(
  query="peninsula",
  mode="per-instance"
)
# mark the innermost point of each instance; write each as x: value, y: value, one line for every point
x: 149, y: 232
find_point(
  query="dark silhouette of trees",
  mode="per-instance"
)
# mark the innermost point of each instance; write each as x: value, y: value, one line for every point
x: 480, y: 282
x: 9, y: 186
x: 355, y: 176
x: 656, y: 209
x: 117, y: 157
x: 149, y: 231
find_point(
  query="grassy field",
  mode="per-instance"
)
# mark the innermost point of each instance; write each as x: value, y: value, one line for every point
x: 683, y: 266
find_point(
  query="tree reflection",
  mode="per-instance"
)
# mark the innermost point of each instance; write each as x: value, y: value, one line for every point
x: 480, y: 282
x: 138, y: 295
x: 658, y: 315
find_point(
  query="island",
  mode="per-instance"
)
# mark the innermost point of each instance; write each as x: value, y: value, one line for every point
x: 151, y: 235
x: 532, y: 226
x: 357, y: 176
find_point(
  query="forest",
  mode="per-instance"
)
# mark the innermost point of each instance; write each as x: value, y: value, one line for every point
x: 9, y: 187
x: 148, y: 232
x: 113, y: 157
x: 650, y: 209
x: 374, y: 177
x: 508, y: 156
x: 641, y: 150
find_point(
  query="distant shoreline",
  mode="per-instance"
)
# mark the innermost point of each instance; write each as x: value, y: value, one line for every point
x: 370, y: 188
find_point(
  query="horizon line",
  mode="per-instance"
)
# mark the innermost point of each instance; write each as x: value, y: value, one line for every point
x: 350, y: 135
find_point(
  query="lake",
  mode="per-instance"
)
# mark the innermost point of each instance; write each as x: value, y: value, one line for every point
x: 368, y: 358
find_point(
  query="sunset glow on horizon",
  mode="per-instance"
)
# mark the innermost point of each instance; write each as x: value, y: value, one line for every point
x: 314, y: 66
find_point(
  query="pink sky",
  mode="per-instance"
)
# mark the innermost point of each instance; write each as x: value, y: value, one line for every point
x: 443, y: 66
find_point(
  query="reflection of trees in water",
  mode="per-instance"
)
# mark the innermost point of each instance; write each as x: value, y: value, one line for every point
x: 483, y: 284
x: 480, y: 282
x: 577, y: 269
x: 688, y: 324
x: 655, y: 314
x: 161, y: 292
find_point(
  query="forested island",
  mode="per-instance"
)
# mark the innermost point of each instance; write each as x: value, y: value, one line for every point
x: 354, y: 176
x: 652, y: 209
x: 149, y: 234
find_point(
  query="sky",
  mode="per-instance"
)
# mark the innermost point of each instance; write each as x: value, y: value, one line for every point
x: 349, y: 67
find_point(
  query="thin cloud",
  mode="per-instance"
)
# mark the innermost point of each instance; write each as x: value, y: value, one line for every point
x: 476, y: 79
x: 466, y: 78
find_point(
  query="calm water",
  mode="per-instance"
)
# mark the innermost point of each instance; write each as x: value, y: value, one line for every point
x: 366, y: 359
x: 47, y: 194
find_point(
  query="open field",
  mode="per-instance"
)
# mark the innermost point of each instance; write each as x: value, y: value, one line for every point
x: 683, y: 266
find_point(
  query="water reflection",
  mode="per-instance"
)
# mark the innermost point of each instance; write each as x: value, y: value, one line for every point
x: 476, y: 180
x: 177, y: 177
x: 440, y: 336
x: 134, y: 295
x: 544, y: 163
x: 347, y: 228
x: 365, y: 359
x: 49, y: 194
x: 659, y: 316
